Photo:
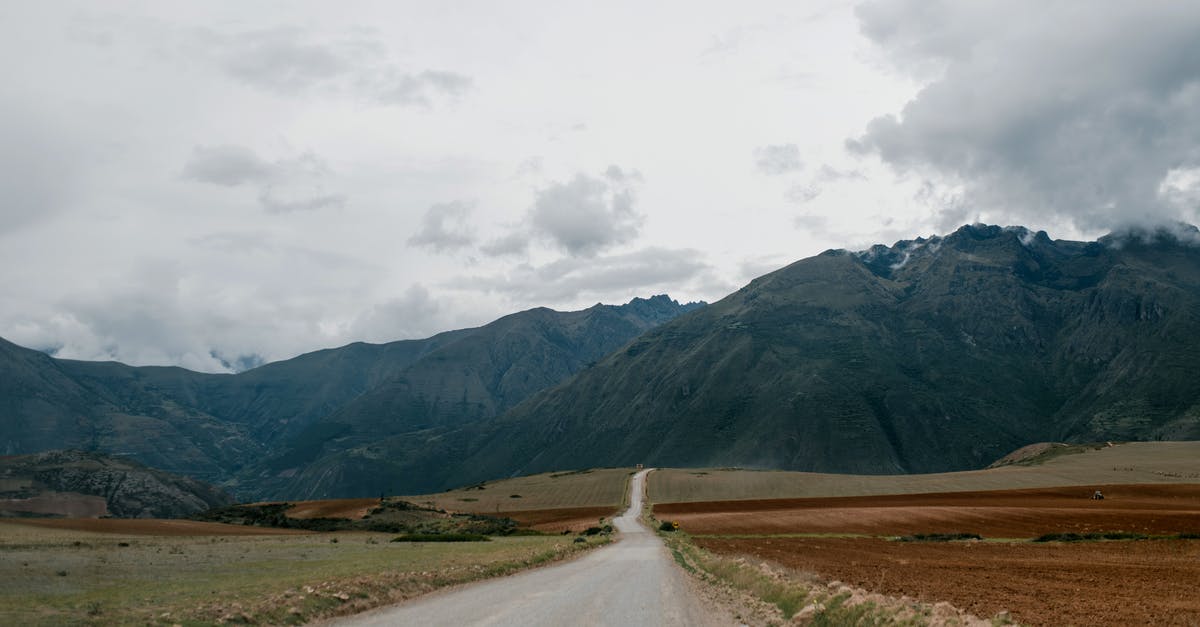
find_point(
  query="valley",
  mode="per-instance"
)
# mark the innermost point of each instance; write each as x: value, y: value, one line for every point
x: 833, y: 439
x: 839, y: 545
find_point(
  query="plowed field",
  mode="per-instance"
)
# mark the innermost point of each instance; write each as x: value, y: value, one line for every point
x: 1149, y: 582
x: 354, y: 509
x: 571, y: 518
x: 1149, y: 509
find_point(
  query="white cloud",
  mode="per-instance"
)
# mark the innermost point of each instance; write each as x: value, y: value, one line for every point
x: 41, y: 164
x: 778, y: 159
x: 1180, y: 188
x: 285, y: 186
x: 569, y: 279
x: 291, y: 61
x: 412, y: 314
x: 140, y: 134
x: 445, y: 227
x: 586, y: 215
x: 226, y: 165
x: 1074, y: 110
x: 514, y: 243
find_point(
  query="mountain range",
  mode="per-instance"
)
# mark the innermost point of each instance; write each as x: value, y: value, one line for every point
x: 317, y: 424
x: 928, y: 355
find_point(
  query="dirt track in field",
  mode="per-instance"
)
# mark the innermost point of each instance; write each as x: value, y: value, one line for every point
x: 150, y: 527
x: 1150, y: 509
x: 1090, y: 583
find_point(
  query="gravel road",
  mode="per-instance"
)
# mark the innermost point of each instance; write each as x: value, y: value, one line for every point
x: 631, y: 582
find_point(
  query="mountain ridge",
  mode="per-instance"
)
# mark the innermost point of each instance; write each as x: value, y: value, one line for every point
x: 232, y: 429
x: 935, y: 354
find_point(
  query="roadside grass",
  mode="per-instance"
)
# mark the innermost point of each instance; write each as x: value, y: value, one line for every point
x: 1129, y: 463
x: 56, y: 577
x: 792, y: 596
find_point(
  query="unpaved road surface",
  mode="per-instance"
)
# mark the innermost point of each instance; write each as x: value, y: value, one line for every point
x: 633, y: 582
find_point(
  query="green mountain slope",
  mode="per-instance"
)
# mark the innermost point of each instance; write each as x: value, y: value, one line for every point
x: 255, y: 430
x: 407, y: 433
x: 930, y: 355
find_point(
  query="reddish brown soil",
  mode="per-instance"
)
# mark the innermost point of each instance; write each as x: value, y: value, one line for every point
x: 1150, y: 509
x: 1090, y: 583
x: 150, y: 526
x: 353, y: 509
x: 574, y: 519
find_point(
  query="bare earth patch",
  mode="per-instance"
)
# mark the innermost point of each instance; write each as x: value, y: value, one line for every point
x: 1091, y: 583
x: 574, y: 519
x: 354, y: 509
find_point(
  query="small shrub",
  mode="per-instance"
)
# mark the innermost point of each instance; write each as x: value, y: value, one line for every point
x: 122, y: 544
x: 514, y: 496
x: 61, y: 573
x: 1188, y: 536
x: 580, y: 539
x: 333, y: 540
x: 529, y: 532
x: 939, y: 537
x: 591, y: 531
x: 668, y: 526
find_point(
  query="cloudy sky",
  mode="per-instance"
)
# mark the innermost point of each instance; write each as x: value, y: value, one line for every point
x: 212, y: 184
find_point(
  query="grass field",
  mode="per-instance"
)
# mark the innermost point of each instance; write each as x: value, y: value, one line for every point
x: 598, y: 488
x: 64, y: 576
x: 1132, y: 463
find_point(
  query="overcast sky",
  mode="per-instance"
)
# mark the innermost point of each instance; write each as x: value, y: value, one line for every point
x: 211, y: 184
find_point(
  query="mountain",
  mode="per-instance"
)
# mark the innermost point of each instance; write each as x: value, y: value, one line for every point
x: 81, y: 484
x: 929, y: 355
x: 404, y: 435
x: 259, y: 432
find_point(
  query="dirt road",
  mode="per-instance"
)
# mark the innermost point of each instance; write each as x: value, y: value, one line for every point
x: 632, y: 582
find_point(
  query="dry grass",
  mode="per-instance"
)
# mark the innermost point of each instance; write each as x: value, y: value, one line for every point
x: 59, y: 576
x: 601, y: 487
x: 1132, y: 463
